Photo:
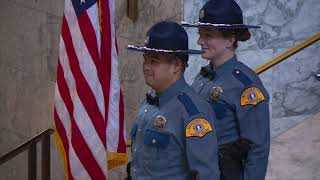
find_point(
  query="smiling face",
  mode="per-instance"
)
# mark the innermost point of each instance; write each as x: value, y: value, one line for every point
x: 215, y: 46
x: 161, y: 70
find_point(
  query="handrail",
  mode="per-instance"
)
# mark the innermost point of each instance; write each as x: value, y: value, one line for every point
x: 288, y: 53
x: 30, y: 145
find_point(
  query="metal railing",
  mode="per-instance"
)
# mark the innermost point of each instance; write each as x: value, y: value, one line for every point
x: 31, y: 146
x: 281, y: 57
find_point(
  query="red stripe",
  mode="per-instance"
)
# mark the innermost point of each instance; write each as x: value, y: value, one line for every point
x: 85, y: 94
x: 105, y: 49
x: 121, y: 142
x: 79, y: 145
x: 63, y: 135
x: 90, y: 39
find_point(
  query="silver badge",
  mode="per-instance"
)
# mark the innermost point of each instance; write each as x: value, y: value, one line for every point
x: 201, y: 14
x: 215, y: 92
x: 160, y: 121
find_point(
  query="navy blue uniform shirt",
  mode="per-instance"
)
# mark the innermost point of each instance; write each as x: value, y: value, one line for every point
x: 240, y: 103
x: 184, y: 147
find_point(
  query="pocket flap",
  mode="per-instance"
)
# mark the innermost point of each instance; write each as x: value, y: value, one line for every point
x: 157, y: 139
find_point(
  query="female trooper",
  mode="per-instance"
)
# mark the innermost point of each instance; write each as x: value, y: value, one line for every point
x: 174, y: 135
x: 235, y: 92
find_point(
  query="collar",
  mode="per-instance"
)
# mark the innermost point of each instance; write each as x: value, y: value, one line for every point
x: 227, y: 66
x: 172, y: 91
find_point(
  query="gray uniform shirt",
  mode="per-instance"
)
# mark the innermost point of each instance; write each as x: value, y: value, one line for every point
x: 166, y: 152
x: 233, y: 119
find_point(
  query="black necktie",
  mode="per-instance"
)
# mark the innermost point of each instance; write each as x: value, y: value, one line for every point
x: 207, y: 72
x: 152, y: 100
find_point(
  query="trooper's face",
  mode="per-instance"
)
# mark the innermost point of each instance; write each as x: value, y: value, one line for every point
x: 158, y: 70
x: 213, y: 44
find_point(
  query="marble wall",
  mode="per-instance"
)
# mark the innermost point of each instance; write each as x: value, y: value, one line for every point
x: 295, y: 93
x: 29, y: 39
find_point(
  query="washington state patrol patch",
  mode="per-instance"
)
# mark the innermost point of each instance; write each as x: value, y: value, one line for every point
x: 251, y: 95
x: 198, y: 128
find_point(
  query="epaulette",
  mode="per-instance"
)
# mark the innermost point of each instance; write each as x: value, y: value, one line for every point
x: 244, y: 79
x: 188, y: 104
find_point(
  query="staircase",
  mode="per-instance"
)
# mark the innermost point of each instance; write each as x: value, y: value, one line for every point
x: 295, y: 154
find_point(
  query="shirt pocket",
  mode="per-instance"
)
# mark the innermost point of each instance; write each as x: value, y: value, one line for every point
x: 219, y: 108
x: 156, y: 139
x: 155, y: 143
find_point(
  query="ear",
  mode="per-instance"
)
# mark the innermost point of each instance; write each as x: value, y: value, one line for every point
x: 231, y: 40
x: 178, y: 65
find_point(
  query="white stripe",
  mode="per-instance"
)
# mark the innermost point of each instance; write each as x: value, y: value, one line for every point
x: 86, y: 63
x: 76, y: 168
x: 94, y: 18
x: 80, y: 115
x: 62, y: 112
x: 114, y: 96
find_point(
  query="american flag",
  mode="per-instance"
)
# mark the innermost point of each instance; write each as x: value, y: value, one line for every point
x: 88, y: 111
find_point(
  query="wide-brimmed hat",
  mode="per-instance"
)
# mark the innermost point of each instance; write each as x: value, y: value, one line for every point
x: 220, y: 14
x: 166, y: 37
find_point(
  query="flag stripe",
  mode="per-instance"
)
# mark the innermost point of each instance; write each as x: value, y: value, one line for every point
x: 85, y: 61
x: 94, y: 19
x: 105, y: 50
x: 74, y: 165
x: 83, y: 89
x: 114, y: 95
x: 63, y: 135
x: 80, y: 115
x: 78, y: 142
x: 88, y: 110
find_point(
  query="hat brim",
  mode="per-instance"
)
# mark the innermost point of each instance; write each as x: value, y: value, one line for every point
x: 218, y: 26
x: 146, y: 49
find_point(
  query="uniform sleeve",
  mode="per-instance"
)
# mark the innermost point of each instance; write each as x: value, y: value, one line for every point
x: 201, y: 152
x: 254, y: 124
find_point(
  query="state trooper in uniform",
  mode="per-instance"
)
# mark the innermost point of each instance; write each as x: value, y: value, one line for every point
x: 174, y: 135
x: 235, y: 92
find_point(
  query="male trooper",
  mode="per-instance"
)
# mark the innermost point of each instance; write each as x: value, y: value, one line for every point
x: 174, y: 136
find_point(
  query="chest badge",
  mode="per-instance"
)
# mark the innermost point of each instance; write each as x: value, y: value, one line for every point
x: 215, y: 92
x: 252, y: 96
x: 159, y: 121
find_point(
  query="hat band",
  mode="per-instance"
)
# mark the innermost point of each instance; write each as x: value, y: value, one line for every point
x: 157, y: 50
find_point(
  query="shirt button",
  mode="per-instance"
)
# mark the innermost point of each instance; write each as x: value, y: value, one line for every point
x: 146, y: 110
x: 153, y: 141
x: 134, y: 170
x: 201, y: 84
x: 135, y: 149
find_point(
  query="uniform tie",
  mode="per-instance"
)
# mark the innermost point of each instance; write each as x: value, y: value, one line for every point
x: 152, y: 100
x: 208, y: 73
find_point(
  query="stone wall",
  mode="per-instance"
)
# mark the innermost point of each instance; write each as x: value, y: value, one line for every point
x: 29, y: 39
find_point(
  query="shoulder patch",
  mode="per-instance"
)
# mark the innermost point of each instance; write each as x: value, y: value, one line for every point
x: 198, y: 127
x: 188, y: 104
x: 251, y: 95
x: 244, y: 79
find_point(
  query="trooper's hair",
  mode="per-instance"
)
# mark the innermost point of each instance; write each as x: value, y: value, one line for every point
x: 184, y: 58
x: 240, y: 35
